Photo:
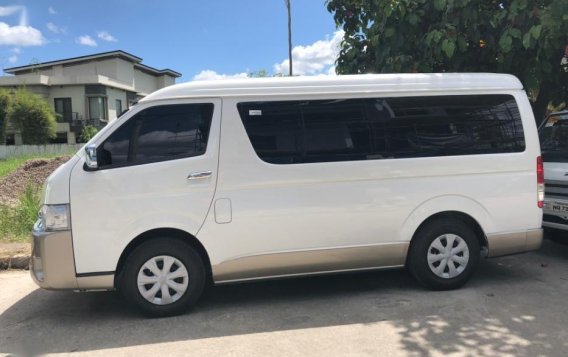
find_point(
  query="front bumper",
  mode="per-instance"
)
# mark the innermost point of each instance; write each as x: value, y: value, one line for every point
x: 514, y: 242
x: 52, y: 264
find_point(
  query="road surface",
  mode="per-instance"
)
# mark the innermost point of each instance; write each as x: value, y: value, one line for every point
x: 514, y: 306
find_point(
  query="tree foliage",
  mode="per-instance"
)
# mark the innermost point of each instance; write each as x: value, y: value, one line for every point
x: 4, y: 108
x: 261, y: 73
x: 87, y: 133
x: 33, y: 116
x: 526, y: 38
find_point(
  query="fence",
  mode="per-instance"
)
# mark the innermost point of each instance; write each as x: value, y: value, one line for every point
x: 8, y: 151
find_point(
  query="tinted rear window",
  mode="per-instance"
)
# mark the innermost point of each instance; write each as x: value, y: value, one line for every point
x: 554, y: 138
x: 288, y: 132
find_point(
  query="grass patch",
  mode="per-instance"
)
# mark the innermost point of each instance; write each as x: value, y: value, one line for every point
x: 10, y: 165
x: 16, y: 223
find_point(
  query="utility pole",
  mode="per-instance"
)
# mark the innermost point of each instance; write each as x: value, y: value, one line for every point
x: 289, y: 6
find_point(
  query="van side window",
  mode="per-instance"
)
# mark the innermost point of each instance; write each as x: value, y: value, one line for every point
x: 453, y: 125
x: 276, y: 131
x: 159, y: 133
x: 382, y: 128
x: 336, y: 130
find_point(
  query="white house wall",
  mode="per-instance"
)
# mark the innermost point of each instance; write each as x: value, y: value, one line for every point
x: 106, y: 67
x: 144, y: 83
x: 118, y: 75
x: 164, y: 81
x: 112, y: 96
x: 124, y: 72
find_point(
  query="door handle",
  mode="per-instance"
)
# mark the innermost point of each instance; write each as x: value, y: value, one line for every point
x: 199, y: 175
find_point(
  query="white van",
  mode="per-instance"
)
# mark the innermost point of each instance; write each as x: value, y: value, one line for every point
x: 554, y: 139
x: 241, y: 180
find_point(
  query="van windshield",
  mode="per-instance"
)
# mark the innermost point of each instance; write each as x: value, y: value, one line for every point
x: 554, y: 138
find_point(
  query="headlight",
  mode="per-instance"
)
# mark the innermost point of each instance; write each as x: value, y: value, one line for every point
x: 53, y: 218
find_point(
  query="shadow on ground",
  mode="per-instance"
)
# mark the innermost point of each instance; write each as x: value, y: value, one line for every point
x: 511, y: 307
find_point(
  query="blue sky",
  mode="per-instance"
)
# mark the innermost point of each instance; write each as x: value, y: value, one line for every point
x: 201, y: 39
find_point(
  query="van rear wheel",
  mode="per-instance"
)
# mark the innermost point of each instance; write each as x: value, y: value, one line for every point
x: 444, y: 254
x: 163, y: 277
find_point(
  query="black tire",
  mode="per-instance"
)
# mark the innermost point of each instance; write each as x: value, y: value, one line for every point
x: 157, y: 247
x: 420, y: 246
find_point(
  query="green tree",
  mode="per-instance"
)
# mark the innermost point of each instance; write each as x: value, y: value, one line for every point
x: 5, y: 99
x: 33, y: 116
x: 526, y: 38
x: 261, y: 73
x: 87, y: 133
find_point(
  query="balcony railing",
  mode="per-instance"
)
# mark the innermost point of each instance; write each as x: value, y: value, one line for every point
x: 67, y: 117
x: 75, y: 120
x: 77, y: 125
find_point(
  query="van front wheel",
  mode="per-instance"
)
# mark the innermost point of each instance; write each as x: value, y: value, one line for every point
x: 444, y: 254
x: 163, y: 277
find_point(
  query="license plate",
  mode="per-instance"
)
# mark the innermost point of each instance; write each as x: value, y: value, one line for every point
x: 557, y: 207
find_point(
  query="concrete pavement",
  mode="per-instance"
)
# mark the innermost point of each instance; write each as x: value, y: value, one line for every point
x: 514, y: 306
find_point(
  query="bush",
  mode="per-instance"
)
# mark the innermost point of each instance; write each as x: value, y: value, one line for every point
x: 16, y: 223
x: 4, y: 107
x: 33, y: 116
x: 87, y: 133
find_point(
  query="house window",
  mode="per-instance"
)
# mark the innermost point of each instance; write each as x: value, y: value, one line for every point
x: 97, y: 108
x: 63, y: 110
x: 10, y: 139
x: 118, y: 107
x: 60, y: 138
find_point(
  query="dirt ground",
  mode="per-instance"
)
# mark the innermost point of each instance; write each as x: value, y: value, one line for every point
x: 15, y: 255
x: 34, y: 171
x: 11, y: 249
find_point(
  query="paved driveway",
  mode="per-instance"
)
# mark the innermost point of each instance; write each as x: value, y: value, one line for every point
x: 514, y: 306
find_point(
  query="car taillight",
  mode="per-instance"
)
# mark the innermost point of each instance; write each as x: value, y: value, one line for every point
x: 540, y: 181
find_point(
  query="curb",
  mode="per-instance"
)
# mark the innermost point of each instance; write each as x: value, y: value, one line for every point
x: 19, y: 261
x: 15, y: 255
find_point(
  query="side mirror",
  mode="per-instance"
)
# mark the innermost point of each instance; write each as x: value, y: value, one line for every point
x: 91, y: 157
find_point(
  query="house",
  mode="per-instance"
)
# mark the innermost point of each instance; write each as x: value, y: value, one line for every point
x: 87, y: 90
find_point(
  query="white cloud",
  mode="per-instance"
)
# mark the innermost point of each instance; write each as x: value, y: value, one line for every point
x: 51, y: 11
x: 105, y: 36
x: 13, y: 59
x: 315, y: 59
x: 331, y: 71
x: 16, y: 50
x: 21, y: 34
x: 86, y: 40
x: 11, y: 10
x: 54, y: 28
x: 208, y: 74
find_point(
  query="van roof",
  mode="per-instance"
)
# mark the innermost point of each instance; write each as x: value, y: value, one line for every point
x: 338, y: 84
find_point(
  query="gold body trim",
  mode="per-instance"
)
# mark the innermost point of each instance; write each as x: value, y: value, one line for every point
x: 310, y: 262
x: 514, y: 242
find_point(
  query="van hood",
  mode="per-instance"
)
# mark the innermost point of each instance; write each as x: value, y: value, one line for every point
x: 56, y: 186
